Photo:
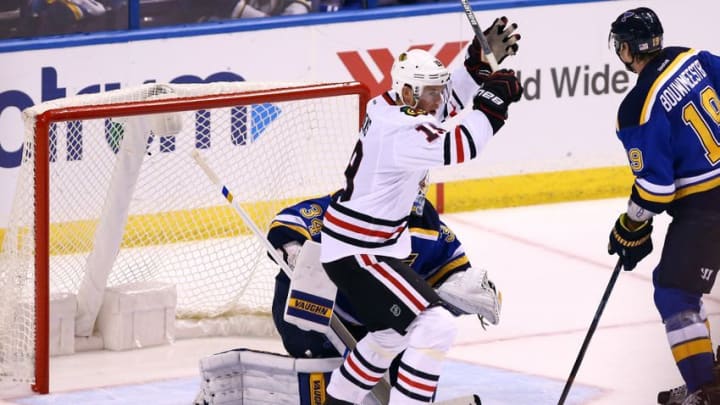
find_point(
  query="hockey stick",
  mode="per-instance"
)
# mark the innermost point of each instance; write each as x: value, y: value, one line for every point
x: 381, y: 391
x: 450, y: 123
x: 489, y: 55
x: 590, y: 331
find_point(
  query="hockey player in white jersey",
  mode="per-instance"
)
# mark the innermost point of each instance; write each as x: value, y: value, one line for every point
x: 365, y: 236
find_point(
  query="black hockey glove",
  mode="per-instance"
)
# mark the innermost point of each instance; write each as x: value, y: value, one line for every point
x: 631, y: 245
x: 495, y: 95
x: 502, y: 41
x: 478, y: 68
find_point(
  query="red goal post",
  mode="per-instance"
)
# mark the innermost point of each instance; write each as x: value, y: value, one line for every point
x: 77, y: 202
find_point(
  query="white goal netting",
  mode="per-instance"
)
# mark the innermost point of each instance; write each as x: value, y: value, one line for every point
x: 272, y: 144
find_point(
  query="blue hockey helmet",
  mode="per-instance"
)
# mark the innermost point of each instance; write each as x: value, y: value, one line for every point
x: 640, y: 28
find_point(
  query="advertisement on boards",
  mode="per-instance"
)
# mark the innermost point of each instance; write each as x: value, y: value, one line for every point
x: 573, y: 81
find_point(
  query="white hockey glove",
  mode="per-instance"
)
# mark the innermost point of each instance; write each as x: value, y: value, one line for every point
x: 502, y: 38
x: 290, y: 252
x: 473, y: 293
x: 311, y: 300
x: 503, y: 42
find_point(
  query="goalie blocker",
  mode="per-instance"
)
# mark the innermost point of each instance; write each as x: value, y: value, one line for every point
x: 311, y: 299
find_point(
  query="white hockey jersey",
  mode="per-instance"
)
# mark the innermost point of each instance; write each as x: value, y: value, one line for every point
x: 397, y: 147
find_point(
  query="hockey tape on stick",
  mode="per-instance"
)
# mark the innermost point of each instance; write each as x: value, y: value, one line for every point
x: 590, y: 331
x: 489, y: 55
x: 381, y: 391
x: 454, y: 121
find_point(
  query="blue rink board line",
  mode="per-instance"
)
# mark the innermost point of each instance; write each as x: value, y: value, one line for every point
x: 495, y: 386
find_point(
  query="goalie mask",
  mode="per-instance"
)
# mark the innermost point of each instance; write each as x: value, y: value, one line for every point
x: 427, y: 77
x: 640, y: 28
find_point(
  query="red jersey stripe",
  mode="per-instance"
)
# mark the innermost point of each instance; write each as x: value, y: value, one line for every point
x: 459, y: 145
x: 360, y: 372
x: 384, y: 273
x: 358, y: 229
x: 415, y: 384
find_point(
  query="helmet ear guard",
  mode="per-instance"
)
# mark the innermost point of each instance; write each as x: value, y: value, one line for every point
x: 418, y: 68
x: 640, y: 28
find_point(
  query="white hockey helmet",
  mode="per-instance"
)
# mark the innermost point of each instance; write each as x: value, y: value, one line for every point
x: 418, y: 68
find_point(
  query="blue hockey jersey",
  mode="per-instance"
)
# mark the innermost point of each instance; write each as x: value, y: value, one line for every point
x: 669, y: 124
x: 436, y: 251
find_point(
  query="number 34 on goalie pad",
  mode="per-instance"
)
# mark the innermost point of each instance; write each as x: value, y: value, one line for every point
x: 311, y: 300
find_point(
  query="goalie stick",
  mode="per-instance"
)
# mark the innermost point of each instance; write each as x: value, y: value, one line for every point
x: 589, y: 334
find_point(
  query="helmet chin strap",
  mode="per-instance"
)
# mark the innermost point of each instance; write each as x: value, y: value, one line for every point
x: 628, y: 65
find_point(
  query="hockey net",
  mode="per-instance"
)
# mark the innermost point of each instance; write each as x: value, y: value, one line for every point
x: 77, y: 201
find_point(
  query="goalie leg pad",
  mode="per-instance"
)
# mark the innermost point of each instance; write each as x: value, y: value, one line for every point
x: 312, y: 294
x: 244, y: 376
x: 473, y: 293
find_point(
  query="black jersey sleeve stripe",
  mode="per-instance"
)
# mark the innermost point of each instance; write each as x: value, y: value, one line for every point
x: 447, y: 147
x: 470, y: 141
x: 356, y: 242
x: 413, y: 395
x: 367, y: 364
x: 354, y: 380
x: 366, y: 218
x: 421, y: 374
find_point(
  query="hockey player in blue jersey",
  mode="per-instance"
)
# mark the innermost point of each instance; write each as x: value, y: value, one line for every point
x: 669, y: 125
x: 437, y: 256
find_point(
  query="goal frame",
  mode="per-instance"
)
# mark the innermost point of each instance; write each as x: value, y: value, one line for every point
x: 41, y: 186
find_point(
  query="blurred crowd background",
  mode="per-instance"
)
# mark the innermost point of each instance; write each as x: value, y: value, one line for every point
x: 32, y: 18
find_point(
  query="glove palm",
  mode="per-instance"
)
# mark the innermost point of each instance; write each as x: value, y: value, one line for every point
x: 503, y: 42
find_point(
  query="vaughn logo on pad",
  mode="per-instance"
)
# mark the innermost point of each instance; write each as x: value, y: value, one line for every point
x: 310, y: 307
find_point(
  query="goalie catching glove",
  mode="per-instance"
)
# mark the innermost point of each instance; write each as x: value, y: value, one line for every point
x: 503, y: 42
x: 495, y: 95
x: 473, y: 293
